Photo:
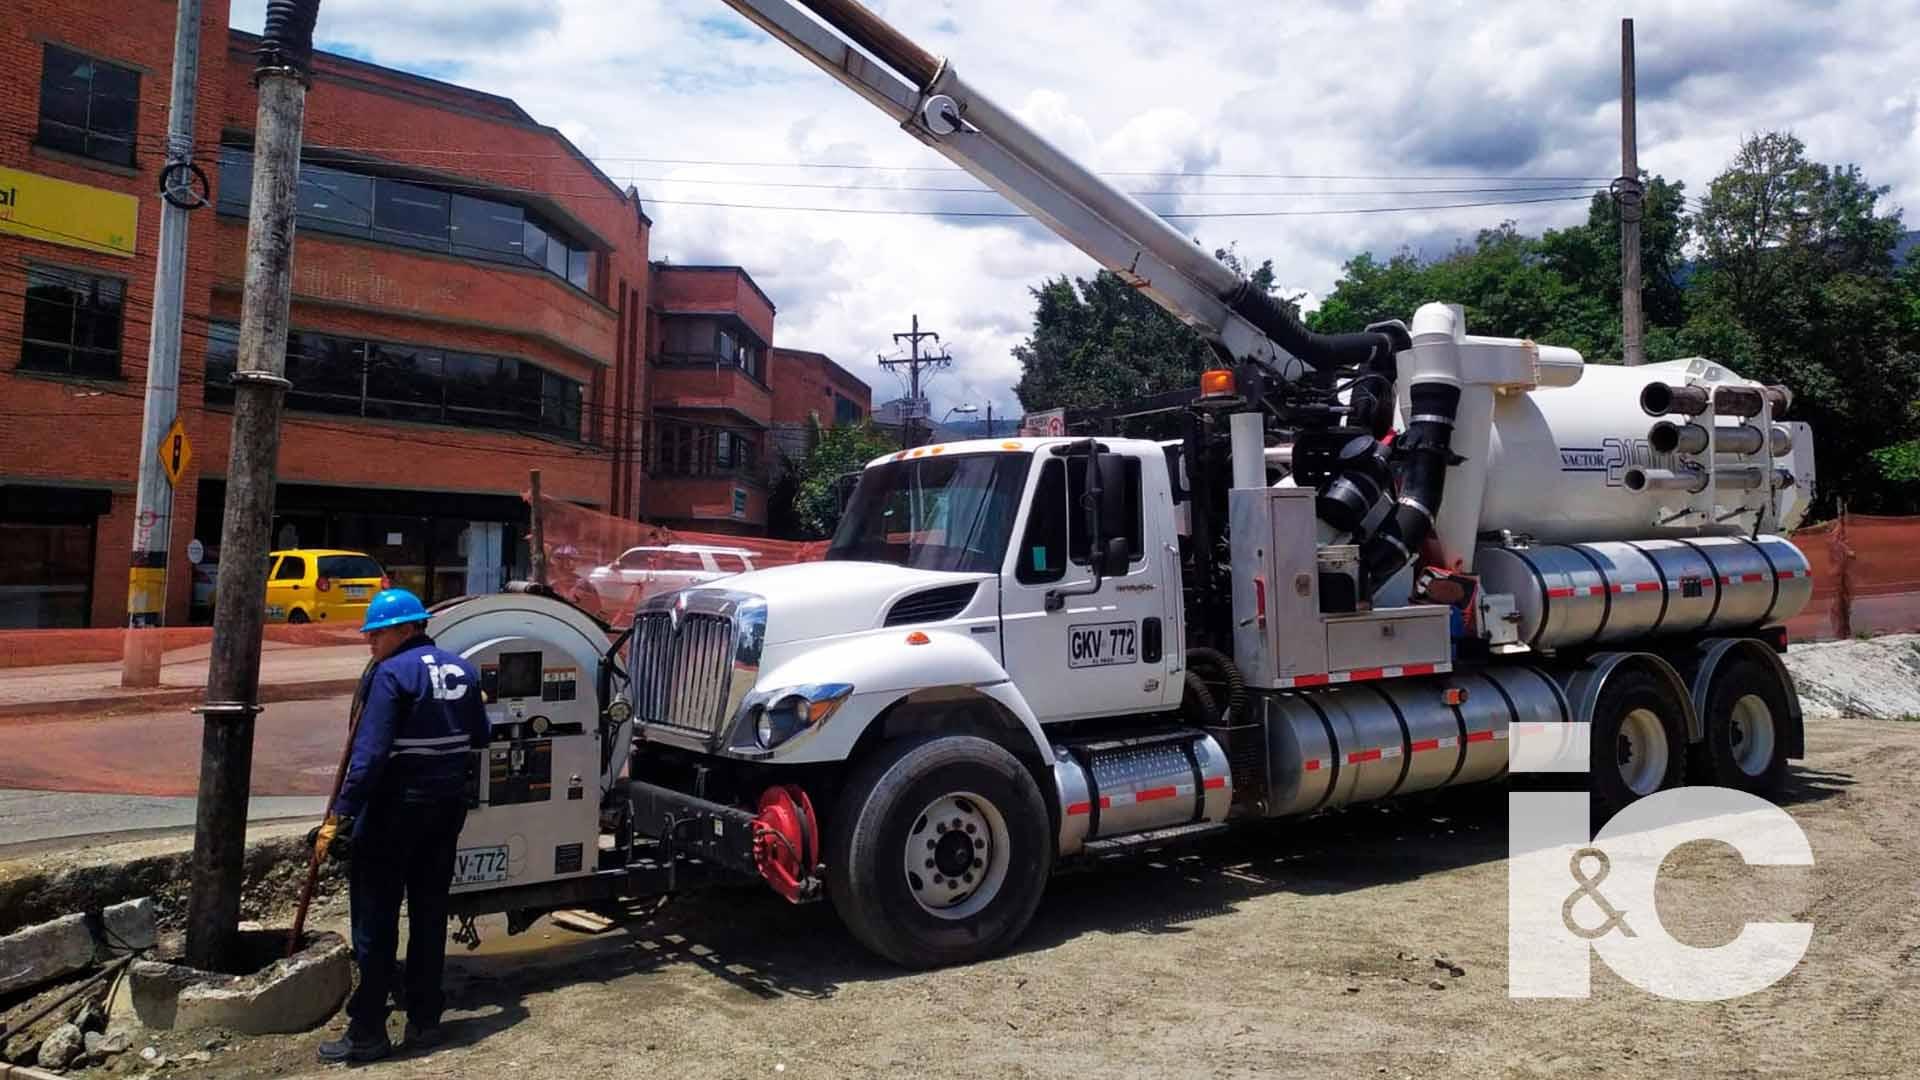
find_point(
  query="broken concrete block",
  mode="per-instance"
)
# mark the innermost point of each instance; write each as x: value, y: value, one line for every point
x: 127, y: 926
x: 290, y: 995
x: 45, y: 952
x: 61, y: 1047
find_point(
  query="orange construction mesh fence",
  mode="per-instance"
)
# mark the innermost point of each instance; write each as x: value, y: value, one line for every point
x: 1866, y: 577
x: 609, y: 565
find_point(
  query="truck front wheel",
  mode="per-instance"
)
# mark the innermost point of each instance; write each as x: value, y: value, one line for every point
x: 939, y: 851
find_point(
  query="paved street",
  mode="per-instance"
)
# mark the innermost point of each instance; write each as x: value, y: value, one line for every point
x: 75, y: 776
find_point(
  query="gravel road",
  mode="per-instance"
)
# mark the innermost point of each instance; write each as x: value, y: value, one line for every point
x: 1307, y: 949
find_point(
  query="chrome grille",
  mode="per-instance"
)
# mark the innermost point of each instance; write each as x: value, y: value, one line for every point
x: 683, y: 678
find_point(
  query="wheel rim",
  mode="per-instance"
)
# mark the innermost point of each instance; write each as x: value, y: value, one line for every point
x: 956, y: 855
x: 1751, y: 732
x: 1643, y: 751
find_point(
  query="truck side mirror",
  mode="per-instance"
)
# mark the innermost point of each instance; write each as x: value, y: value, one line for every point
x: 1112, y: 507
x: 1113, y: 557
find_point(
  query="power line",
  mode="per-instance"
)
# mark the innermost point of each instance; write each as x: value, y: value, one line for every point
x: 1195, y: 216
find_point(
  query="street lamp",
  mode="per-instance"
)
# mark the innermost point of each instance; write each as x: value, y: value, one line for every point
x: 968, y: 409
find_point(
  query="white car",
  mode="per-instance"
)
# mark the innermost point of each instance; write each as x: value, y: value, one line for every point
x: 643, y: 571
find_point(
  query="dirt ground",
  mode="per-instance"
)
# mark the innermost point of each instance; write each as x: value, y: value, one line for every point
x: 1305, y: 949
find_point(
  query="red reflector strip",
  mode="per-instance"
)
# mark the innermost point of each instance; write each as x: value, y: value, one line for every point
x: 1360, y: 675
x: 1787, y: 574
x: 1559, y: 593
x: 1434, y: 744
x: 1563, y: 592
x: 1479, y: 736
x: 1215, y: 783
x: 1359, y: 756
x: 1079, y: 808
x: 1151, y: 794
x: 1312, y: 764
x: 1637, y: 587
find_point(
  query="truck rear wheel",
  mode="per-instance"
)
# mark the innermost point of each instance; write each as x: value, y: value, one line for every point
x: 1639, y: 739
x: 939, y: 851
x: 1746, y: 716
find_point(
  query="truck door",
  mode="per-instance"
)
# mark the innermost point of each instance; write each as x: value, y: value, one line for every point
x: 1104, y: 653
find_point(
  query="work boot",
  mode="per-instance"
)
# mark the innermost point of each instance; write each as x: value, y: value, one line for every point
x: 352, y: 1046
x: 423, y: 1036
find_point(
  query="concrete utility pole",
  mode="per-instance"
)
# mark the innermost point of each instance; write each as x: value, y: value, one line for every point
x: 260, y: 386
x: 914, y: 363
x: 153, y: 505
x: 1627, y: 194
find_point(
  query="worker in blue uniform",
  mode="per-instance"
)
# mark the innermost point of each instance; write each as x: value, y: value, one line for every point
x: 400, y: 809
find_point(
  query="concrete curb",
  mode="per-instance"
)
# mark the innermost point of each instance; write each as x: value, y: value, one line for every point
x: 170, y: 696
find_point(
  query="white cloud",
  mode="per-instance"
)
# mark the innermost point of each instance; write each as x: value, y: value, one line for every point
x: 1398, y: 88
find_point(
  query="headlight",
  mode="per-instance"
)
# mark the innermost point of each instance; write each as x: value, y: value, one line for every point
x: 789, y: 712
x: 620, y: 711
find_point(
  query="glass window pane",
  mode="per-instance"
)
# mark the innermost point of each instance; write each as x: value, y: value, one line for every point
x: 533, y: 244
x: 56, y: 136
x: 66, y: 81
x: 403, y: 382
x: 470, y: 380
x: 113, y: 112
x: 335, y: 201
x: 411, y: 214
x: 325, y: 372
x: 577, y: 260
x: 291, y: 568
x: 557, y: 257
x: 487, y: 229
x: 1043, y: 552
x: 113, y: 148
x: 236, y: 180
x: 49, y: 314
x: 529, y: 388
x: 223, y: 355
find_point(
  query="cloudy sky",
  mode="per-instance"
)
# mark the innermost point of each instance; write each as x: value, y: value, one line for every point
x: 1231, y: 107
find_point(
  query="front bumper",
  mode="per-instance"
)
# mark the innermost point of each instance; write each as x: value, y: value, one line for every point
x: 691, y: 827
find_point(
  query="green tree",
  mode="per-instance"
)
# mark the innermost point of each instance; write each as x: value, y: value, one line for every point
x: 832, y: 453
x: 1100, y: 341
x: 1797, y: 286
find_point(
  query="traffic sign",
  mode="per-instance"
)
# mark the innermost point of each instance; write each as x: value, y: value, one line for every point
x: 175, y: 452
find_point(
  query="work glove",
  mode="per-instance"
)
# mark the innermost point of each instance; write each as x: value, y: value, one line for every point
x: 333, y: 836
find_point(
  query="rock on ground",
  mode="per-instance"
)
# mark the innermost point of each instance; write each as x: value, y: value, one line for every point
x: 61, y: 1047
x: 45, y: 952
x: 1877, y: 678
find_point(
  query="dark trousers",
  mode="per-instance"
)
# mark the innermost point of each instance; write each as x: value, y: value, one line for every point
x: 401, y: 850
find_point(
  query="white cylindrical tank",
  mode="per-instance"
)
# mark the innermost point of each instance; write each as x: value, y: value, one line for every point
x: 1558, y: 459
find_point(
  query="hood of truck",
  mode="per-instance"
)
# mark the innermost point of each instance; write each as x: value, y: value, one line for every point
x: 828, y: 599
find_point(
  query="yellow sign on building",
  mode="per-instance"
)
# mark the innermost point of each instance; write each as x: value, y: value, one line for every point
x: 61, y: 212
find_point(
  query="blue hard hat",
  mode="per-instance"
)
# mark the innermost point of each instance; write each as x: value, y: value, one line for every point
x: 391, y: 607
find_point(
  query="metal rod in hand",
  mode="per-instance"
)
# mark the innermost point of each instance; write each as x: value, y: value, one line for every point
x: 339, y: 776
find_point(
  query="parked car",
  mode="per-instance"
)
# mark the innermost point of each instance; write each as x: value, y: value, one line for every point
x: 642, y: 571
x: 320, y: 585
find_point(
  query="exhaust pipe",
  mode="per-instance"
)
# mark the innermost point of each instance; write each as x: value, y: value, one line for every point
x: 1661, y: 399
x: 1667, y: 437
x: 1688, y: 478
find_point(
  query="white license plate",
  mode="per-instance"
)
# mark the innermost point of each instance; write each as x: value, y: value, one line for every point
x: 477, y: 866
x: 1100, y: 644
x: 356, y: 592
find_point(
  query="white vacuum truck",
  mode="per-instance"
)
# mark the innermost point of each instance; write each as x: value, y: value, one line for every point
x: 1357, y: 563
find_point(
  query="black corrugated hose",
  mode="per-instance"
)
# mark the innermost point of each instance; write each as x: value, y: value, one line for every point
x: 1216, y: 668
x: 287, y: 41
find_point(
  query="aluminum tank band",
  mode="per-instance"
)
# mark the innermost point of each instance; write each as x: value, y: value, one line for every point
x: 1122, y: 786
x: 1353, y: 744
x: 1570, y: 595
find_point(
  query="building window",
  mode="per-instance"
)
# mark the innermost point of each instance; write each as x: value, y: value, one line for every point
x: 422, y: 216
x: 712, y: 341
x: 72, y: 323
x: 686, y: 449
x: 845, y: 410
x: 88, y: 107
x: 350, y: 377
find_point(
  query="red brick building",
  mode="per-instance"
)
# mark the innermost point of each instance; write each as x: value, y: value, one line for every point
x: 469, y: 300
x: 711, y: 335
x: 809, y: 386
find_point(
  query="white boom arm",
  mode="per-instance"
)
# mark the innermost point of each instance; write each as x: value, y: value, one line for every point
x: 935, y: 105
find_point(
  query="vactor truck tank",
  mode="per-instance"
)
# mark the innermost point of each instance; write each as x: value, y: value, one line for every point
x: 1577, y: 463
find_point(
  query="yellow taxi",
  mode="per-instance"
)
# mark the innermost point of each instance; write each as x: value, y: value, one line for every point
x: 307, y: 585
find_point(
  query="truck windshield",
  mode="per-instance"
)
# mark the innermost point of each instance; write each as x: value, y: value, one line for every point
x: 934, y: 513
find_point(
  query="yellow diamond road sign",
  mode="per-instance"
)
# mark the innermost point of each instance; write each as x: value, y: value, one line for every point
x: 175, y: 452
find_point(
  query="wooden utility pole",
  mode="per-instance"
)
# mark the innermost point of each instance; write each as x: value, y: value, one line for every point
x: 1627, y: 194
x: 153, y: 503
x: 914, y: 363
x: 260, y: 386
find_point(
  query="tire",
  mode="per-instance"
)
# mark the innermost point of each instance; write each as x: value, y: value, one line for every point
x: 1746, y: 717
x: 1639, y: 740
x: 915, y: 915
x: 296, y: 616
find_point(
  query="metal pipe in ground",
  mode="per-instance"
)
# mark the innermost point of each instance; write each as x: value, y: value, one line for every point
x: 260, y: 385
